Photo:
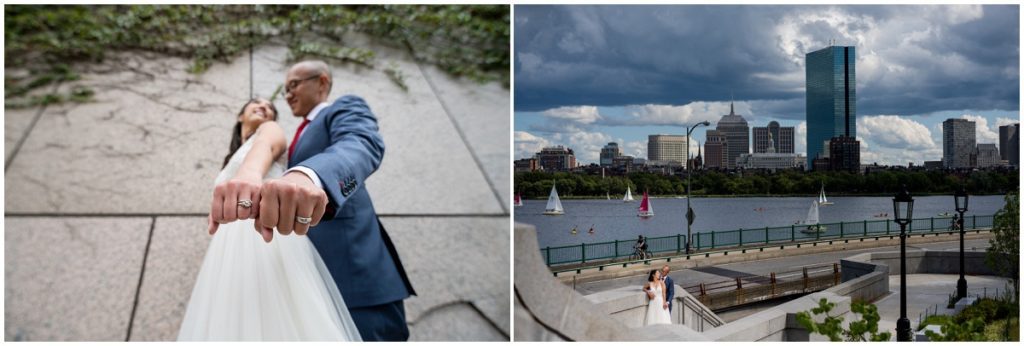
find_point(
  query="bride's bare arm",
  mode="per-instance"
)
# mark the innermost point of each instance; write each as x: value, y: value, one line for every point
x: 649, y: 290
x: 268, y: 145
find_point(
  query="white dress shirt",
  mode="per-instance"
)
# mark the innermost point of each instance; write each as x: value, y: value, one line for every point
x: 306, y: 170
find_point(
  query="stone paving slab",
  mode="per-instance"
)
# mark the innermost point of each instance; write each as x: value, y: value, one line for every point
x: 16, y: 121
x: 425, y: 160
x: 175, y: 255
x: 482, y: 112
x: 454, y: 260
x: 152, y: 141
x: 71, y: 278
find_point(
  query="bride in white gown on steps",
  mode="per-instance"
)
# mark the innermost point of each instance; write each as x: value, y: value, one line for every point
x: 657, y: 310
x: 249, y: 289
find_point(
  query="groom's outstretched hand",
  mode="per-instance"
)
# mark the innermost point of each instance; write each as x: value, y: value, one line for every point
x: 286, y: 199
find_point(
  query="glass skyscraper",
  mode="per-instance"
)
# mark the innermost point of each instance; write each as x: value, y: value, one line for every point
x: 831, y: 97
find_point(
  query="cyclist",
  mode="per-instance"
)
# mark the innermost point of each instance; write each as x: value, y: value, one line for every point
x: 641, y: 246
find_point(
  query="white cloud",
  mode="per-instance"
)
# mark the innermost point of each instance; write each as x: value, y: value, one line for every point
x: 895, y: 132
x: 580, y: 114
x: 983, y: 133
x: 801, y: 138
x: 684, y: 115
x: 527, y: 144
x: 1005, y: 121
x: 635, y: 149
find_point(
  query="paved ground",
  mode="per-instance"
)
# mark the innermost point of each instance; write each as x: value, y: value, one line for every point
x: 104, y: 206
x: 929, y: 291
x: 693, y: 276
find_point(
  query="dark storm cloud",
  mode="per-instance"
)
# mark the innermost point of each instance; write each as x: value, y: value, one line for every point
x: 911, y: 59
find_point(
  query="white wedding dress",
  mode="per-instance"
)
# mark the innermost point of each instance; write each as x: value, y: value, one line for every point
x: 656, y: 314
x: 249, y: 290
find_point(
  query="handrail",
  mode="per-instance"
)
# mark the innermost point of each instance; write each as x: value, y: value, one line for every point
x: 737, y: 240
x: 761, y: 248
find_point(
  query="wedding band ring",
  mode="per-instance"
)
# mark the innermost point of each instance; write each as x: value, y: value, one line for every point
x: 245, y: 203
x: 303, y: 220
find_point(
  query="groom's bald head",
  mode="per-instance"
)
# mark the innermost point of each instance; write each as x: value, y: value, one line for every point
x: 307, y: 84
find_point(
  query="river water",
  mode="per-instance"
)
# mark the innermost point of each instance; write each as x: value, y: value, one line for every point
x: 615, y: 220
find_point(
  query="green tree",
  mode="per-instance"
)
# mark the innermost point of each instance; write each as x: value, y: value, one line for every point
x: 865, y: 329
x: 1003, y: 253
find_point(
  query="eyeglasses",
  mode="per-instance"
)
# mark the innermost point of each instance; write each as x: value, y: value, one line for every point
x: 295, y: 84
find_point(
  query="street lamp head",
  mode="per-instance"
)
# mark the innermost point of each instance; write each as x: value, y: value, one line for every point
x: 903, y: 206
x: 960, y: 197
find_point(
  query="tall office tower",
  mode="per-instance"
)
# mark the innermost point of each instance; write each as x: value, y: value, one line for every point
x: 831, y: 97
x: 986, y: 155
x: 782, y: 138
x: 1009, y: 143
x: 737, y: 135
x: 715, y: 147
x: 666, y: 148
x: 609, y: 153
x: 958, y: 143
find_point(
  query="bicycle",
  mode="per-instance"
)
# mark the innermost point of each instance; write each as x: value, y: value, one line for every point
x: 639, y: 254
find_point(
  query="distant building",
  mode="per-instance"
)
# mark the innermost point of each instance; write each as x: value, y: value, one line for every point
x: 625, y: 164
x: 696, y: 163
x: 771, y: 161
x: 737, y: 135
x: 1009, y: 144
x: 715, y: 147
x: 987, y: 155
x: 821, y: 164
x: 556, y: 159
x: 609, y: 152
x: 831, y: 87
x: 666, y: 148
x: 782, y: 138
x: 525, y: 165
x: 930, y: 165
x: 844, y: 154
x: 958, y: 143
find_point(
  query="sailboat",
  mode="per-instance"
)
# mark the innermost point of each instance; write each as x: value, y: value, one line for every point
x: 554, y: 206
x: 518, y: 201
x: 629, y: 196
x: 821, y: 198
x: 812, y: 220
x: 607, y: 196
x: 646, y: 209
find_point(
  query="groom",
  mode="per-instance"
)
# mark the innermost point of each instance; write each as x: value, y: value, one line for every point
x: 323, y: 195
x: 670, y: 290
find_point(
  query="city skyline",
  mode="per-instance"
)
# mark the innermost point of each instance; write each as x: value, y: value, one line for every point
x: 897, y: 120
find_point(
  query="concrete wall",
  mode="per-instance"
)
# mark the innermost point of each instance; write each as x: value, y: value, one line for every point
x: 935, y: 262
x: 862, y: 280
x: 629, y: 305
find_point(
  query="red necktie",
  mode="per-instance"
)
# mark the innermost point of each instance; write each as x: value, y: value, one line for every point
x: 291, y: 148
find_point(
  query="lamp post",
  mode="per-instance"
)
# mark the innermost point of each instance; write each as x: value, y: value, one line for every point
x: 689, y: 212
x: 960, y: 198
x: 903, y: 207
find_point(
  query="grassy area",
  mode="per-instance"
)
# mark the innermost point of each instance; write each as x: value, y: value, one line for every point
x: 469, y: 41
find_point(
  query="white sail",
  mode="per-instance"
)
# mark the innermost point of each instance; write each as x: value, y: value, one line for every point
x: 554, y: 206
x: 629, y: 196
x: 822, y: 200
x: 812, y: 214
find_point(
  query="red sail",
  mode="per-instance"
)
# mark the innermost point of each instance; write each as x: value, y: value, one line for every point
x: 644, y: 204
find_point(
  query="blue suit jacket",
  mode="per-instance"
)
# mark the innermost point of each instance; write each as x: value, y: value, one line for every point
x: 342, y: 145
x: 670, y: 291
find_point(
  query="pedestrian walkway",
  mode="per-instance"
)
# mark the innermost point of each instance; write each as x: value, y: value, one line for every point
x: 926, y: 292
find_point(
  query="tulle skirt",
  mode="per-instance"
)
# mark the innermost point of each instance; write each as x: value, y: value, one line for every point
x: 249, y: 290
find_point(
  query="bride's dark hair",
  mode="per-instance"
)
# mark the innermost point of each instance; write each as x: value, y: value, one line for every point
x: 650, y: 276
x: 236, y: 133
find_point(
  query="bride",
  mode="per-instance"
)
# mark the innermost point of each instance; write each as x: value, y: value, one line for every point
x: 249, y: 289
x: 657, y: 310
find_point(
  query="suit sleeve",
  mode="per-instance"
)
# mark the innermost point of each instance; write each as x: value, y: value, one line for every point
x: 355, y: 152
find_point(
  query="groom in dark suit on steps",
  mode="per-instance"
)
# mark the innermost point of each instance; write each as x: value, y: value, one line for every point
x: 336, y: 147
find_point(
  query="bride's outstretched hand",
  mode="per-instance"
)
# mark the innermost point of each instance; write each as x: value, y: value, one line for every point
x: 235, y: 199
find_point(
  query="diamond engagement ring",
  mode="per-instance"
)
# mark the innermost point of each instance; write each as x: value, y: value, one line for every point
x: 245, y: 203
x: 303, y: 220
